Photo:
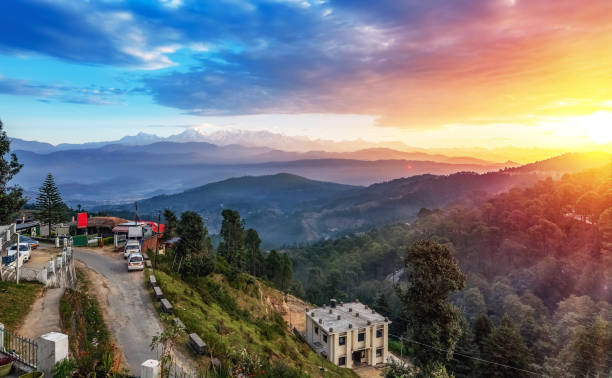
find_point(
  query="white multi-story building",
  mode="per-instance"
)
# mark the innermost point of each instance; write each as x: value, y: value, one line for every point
x: 348, y: 334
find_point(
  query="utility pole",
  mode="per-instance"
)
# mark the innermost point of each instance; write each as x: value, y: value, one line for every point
x: 18, y: 255
x: 157, y: 240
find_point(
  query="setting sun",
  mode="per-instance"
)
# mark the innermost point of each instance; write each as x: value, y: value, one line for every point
x: 599, y: 127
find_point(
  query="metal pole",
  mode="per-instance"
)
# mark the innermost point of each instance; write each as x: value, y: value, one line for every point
x: 18, y: 255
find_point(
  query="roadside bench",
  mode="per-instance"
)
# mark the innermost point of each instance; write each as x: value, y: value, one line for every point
x: 152, y: 281
x: 166, y: 306
x: 196, y: 344
x: 159, y: 294
x: 148, y: 264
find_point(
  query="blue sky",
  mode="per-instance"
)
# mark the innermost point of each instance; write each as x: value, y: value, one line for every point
x: 74, y: 71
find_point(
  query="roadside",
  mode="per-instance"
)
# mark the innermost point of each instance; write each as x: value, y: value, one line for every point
x: 126, y: 305
x: 43, y: 316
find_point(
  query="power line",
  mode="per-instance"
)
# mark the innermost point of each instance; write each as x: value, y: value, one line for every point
x: 472, y: 357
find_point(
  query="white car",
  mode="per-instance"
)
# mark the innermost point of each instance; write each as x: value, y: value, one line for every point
x: 132, y: 246
x: 135, y: 262
x: 25, y: 251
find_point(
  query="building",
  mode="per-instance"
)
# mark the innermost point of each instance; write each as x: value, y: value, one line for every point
x: 103, y: 225
x: 348, y: 334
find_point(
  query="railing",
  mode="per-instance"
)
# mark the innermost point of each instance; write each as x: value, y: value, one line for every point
x: 20, y: 348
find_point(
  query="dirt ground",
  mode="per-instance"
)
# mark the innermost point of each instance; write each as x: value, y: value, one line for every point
x: 39, y: 258
x: 101, y: 290
x: 44, y: 315
x: 368, y: 372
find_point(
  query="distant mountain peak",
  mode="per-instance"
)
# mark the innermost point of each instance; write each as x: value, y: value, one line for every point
x: 140, y: 139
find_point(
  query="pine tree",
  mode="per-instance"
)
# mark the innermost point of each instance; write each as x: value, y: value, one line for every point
x: 505, y: 346
x: 285, y: 272
x: 254, y: 257
x: 49, y: 202
x: 232, y: 233
x: 482, y: 329
x: 462, y: 366
x: 382, y: 305
x: 171, y: 223
x: 432, y: 274
x: 193, y: 234
x: 271, y: 265
x: 11, y: 197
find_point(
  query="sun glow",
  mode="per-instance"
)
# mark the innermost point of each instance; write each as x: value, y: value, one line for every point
x: 599, y: 127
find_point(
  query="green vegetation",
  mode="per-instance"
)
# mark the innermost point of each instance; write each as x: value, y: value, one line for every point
x: 49, y: 202
x: 538, y: 266
x: 90, y: 340
x: 16, y: 300
x: 233, y: 315
x: 231, y: 310
x: 11, y: 196
x: 432, y: 275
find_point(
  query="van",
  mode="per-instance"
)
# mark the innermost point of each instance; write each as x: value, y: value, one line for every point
x: 132, y: 246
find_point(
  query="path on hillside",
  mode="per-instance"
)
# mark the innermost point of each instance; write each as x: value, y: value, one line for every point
x: 131, y: 315
x: 43, y: 316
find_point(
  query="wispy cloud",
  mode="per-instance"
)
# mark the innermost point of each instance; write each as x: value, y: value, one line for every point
x: 91, y: 95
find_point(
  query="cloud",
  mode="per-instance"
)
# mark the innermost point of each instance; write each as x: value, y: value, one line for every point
x: 92, y: 95
x: 414, y: 64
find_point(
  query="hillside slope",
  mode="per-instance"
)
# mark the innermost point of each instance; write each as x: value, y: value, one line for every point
x: 243, y: 317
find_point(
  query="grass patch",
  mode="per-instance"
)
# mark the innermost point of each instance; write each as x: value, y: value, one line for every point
x: 233, y: 317
x: 16, y: 300
x: 90, y: 341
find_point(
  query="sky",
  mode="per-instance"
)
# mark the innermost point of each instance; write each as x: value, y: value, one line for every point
x: 435, y: 73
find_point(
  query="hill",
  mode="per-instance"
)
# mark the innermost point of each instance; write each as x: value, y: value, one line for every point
x: 540, y: 255
x: 288, y: 209
x: 567, y: 163
x: 124, y: 173
x: 243, y: 318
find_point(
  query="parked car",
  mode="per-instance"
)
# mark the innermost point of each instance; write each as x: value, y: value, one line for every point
x: 132, y: 246
x: 25, y: 239
x: 135, y: 262
x: 24, y: 251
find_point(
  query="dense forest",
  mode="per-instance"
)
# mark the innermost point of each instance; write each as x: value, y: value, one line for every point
x: 538, y: 267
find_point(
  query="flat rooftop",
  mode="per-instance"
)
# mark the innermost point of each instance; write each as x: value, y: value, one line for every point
x: 348, y: 317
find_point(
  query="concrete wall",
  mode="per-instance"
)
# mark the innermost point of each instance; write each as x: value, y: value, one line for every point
x: 52, y: 348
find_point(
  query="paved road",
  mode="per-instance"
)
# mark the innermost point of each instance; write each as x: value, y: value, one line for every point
x: 133, y: 320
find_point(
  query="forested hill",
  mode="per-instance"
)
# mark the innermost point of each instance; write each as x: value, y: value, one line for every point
x: 541, y: 255
x: 567, y: 163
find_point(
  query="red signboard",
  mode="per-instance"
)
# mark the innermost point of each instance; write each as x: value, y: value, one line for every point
x: 82, y: 220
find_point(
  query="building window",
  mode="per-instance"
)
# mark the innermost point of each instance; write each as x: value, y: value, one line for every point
x: 324, y: 338
x: 361, y: 336
x: 379, y: 333
x: 379, y: 352
x: 317, y: 330
x: 341, y: 361
x: 342, y: 340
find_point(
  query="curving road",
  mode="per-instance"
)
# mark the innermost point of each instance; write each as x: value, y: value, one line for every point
x: 132, y: 317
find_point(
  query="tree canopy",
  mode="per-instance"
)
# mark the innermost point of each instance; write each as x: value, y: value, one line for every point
x: 11, y: 196
x: 49, y: 202
x: 432, y: 275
